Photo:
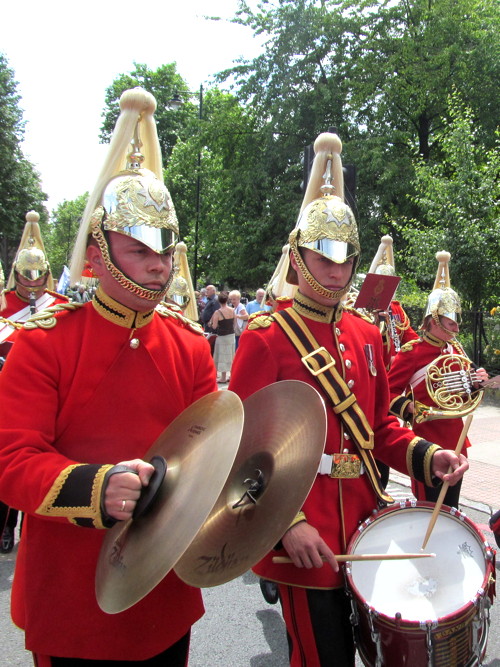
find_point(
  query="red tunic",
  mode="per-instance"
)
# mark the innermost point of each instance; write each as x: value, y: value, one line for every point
x: 335, y: 507
x: 16, y: 304
x: 78, y: 392
x: 412, y: 358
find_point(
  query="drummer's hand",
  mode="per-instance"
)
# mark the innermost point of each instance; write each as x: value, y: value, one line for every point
x: 126, y: 486
x: 443, y: 459
x: 306, y: 548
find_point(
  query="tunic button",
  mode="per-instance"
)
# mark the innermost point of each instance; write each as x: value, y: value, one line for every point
x: 348, y: 363
x: 337, y: 331
x: 350, y: 384
x: 134, y: 343
x: 347, y: 436
x: 342, y: 347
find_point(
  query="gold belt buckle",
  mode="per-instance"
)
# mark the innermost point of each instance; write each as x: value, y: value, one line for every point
x: 346, y: 466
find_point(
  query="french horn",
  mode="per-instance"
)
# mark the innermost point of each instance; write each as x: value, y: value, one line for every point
x: 450, y: 383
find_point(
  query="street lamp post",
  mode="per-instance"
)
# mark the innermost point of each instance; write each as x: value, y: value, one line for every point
x: 175, y: 104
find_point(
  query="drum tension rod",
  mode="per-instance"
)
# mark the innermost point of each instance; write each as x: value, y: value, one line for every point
x: 254, y: 490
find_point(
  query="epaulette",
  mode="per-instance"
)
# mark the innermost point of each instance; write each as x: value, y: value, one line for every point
x: 358, y: 313
x: 260, y: 321
x: 257, y: 313
x: 171, y: 310
x: 57, y: 294
x: 409, y: 345
x: 46, y: 319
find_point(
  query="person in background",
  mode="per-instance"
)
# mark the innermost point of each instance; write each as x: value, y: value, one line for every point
x: 211, y: 306
x: 256, y: 305
x: 30, y: 289
x: 222, y: 323
x: 241, y: 315
x: 338, y: 352
x: 438, y: 346
x: 81, y: 295
x: 104, y: 380
x: 394, y: 324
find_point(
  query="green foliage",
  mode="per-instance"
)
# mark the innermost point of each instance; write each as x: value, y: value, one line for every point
x: 61, y: 233
x: 163, y: 83
x: 380, y: 72
x: 492, y: 349
x: 459, y: 200
x: 20, y: 189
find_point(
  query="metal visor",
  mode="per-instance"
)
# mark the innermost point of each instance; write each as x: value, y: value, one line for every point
x: 337, y: 251
x: 159, y: 239
x: 32, y: 274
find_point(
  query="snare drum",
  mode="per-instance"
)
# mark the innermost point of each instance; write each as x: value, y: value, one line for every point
x: 425, y: 612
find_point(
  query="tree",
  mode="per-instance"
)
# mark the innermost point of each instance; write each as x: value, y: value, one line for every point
x: 380, y: 72
x: 236, y: 225
x: 163, y: 83
x: 20, y: 189
x: 61, y: 232
x: 459, y: 199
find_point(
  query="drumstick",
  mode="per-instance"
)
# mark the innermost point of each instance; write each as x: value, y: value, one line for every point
x: 445, y: 486
x: 342, y: 558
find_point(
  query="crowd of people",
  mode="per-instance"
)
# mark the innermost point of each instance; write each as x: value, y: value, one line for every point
x: 97, y: 380
x: 224, y: 316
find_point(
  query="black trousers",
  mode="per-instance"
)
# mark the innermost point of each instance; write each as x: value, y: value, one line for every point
x: 318, y: 626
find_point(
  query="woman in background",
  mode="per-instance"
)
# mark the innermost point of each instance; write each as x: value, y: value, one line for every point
x: 223, y: 323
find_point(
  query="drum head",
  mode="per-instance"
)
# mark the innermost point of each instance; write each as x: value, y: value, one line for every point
x: 424, y: 588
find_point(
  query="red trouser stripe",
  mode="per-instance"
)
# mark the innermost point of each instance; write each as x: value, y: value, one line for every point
x: 299, y: 627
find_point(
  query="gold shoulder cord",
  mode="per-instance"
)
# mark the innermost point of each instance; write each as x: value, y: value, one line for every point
x: 46, y: 319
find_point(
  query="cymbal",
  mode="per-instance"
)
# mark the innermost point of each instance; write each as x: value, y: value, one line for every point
x: 199, y: 446
x: 283, y: 439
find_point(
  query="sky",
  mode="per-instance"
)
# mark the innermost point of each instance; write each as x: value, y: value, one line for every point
x: 65, y: 54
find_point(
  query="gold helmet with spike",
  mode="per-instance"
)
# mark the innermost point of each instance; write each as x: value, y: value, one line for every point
x: 443, y: 301
x: 326, y: 224
x: 30, y: 265
x: 181, y: 289
x: 383, y: 262
x: 130, y: 197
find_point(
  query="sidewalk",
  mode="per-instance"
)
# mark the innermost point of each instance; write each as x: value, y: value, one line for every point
x: 481, y: 483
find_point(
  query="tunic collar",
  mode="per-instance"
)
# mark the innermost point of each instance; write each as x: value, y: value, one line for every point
x: 432, y: 340
x: 316, y: 311
x: 118, y: 314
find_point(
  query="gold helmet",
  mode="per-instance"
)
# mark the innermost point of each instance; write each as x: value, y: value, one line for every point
x: 326, y: 224
x: 181, y: 289
x: 383, y: 262
x: 443, y: 301
x: 130, y: 197
x: 31, y: 262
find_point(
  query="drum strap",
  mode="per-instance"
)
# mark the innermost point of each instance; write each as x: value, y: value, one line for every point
x: 320, y: 364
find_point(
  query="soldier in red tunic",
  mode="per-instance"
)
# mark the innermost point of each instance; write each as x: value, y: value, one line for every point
x: 395, y: 323
x: 437, y: 348
x: 29, y: 290
x: 334, y: 349
x: 87, y: 387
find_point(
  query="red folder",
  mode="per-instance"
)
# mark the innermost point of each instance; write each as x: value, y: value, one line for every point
x: 377, y: 292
